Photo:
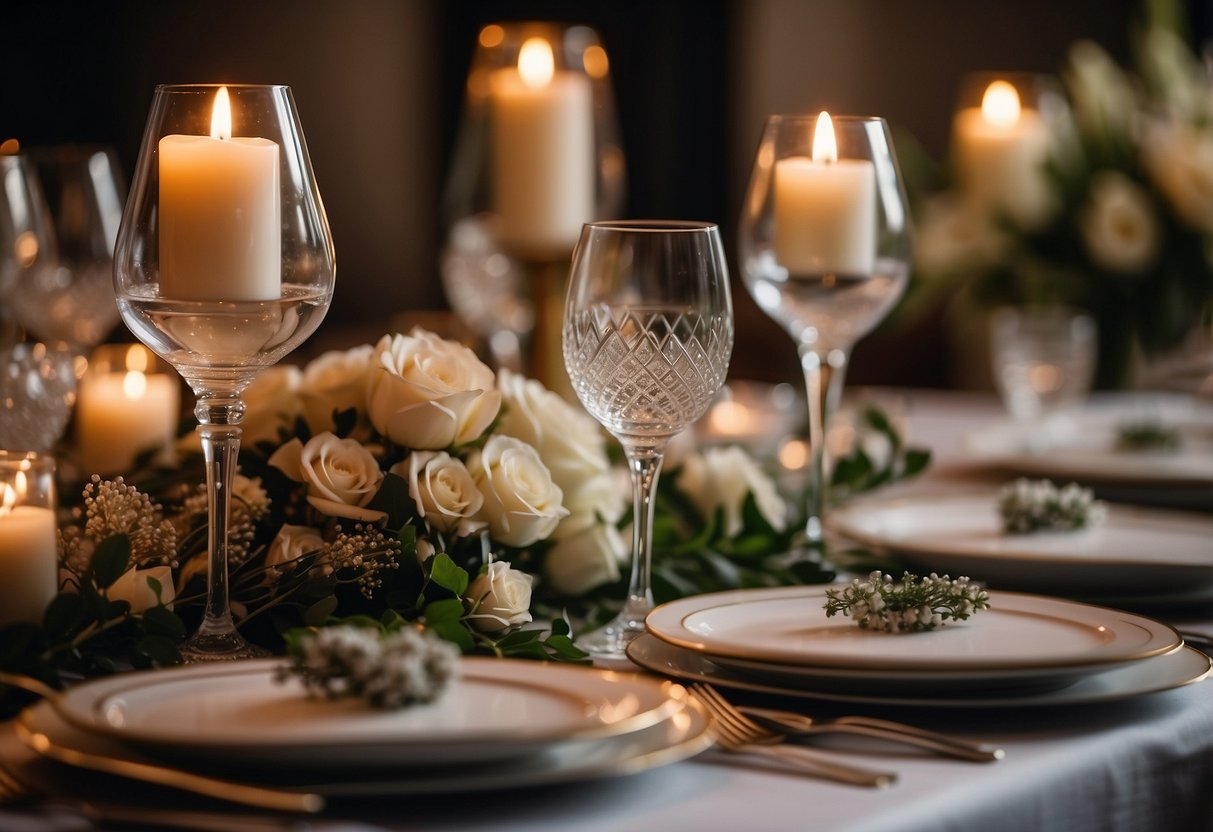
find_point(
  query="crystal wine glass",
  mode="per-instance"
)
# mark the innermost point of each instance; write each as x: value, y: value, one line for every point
x: 73, y: 299
x: 26, y: 238
x: 224, y: 264
x: 648, y: 333
x: 825, y: 251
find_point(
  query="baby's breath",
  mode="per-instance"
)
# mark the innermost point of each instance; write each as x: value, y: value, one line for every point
x: 1038, y: 505
x: 365, y: 553
x: 400, y: 668
x: 912, y: 604
x: 112, y: 507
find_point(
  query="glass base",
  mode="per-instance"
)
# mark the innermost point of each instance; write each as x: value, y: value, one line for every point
x: 219, y: 647
x: 611, y: 640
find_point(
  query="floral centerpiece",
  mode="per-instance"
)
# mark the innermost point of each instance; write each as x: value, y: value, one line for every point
x: 1126, y: 232
x: 398, y: 485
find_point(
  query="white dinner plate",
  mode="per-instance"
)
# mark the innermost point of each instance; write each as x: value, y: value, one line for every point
x: 679, y: 736
x: 1161, y: 673
x: 1025, y: 636
x: 1134, y: 552
x: 237, y: 713
x: 1082, y: 446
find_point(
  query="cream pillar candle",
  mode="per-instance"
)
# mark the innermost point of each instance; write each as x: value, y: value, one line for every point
x: 124, y: 410
x: 542, y: 153
x: 29, y: 564
x: 999, y: 150
x: 825, y: 209
x: 220, y: 228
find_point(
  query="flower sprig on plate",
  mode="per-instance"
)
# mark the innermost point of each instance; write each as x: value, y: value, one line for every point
x: 1028, y: 506
x: 912, y: 604
x: 1146, y: 435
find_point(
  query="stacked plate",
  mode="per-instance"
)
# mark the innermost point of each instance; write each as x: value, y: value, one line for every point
x: 503, y: 724
x: 1145, y: 555
x: 1026, y: 650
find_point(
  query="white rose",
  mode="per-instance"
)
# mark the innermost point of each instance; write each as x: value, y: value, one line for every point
x: 443, y: 489
x: 292, y: 543
x: 570, y: 443
x: 340, y: 474
x: 521, y: 503
x: 952, y: 238
x: 500, y: 597
x: 602, y: 496
x: 1180, y: 159
x: 585, y: 558
x: 721, y: 478
x: 335, y: 381
x: 1118, y: 225
x: 1100, y: 92
x: 133, y: 587
x: 271, y: 402
x: 427, y: 393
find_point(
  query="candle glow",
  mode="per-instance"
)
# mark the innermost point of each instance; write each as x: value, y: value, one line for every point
x: 221, y: 115
x: 1000, y: 104
x: 825, y: 143
x: 536, y: 64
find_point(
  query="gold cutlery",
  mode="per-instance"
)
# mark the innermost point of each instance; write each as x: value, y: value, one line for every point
x: 737, y: 733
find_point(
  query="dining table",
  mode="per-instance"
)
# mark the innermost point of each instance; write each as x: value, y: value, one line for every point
x: 1128, y: 765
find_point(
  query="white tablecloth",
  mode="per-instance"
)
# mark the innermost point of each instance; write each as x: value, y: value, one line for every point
x: 1139, y: 766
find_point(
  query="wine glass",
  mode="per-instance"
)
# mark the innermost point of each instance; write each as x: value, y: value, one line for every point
x: 26, y: 238
x: 825, y: 251
x: 648, y: 333
x: 224, y: 264
x: 72, y: 300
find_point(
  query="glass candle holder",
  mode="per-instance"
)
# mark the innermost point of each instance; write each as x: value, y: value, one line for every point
x: 1002, y: 135
x: 129, y: 405
x: 26, y: 236
x: 538, y: 155
x: 37, y: 392
x: 29, y: 561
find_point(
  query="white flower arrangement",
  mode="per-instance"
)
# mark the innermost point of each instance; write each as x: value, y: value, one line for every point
x: 1028, y: 506
x: 910, y: 605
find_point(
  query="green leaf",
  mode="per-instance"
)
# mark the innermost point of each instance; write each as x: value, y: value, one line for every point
x: 518, y: 637
x: 564, y: 647
x: 65, y: 616
x: 455, y: 632
x: 344, y: 421
x: 110, y: 560
x: 394, y: 500
x: 319, y: 612
x: 442, y: 612
x: 448, y: 574
x: 160, y: 651
x: 527, y: 650
x: 916, y: 461
x: 161, y: 621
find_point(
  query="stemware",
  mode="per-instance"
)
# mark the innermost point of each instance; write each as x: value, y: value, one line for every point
x: 825, y: 251
x: 647, y: 338
x: 72, y: 299
x: 26, y: 238
x: 224, y: 264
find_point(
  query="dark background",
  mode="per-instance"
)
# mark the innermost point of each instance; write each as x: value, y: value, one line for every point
x: 379, y: 85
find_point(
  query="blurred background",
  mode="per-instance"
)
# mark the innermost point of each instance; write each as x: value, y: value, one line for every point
x: 379, y: 86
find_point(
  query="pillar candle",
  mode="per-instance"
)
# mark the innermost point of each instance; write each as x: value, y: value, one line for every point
x: 28, y: 558
x: 825, y: 210
x: 998, y: 151
x: 220, y: 232
x: 123, y: 412
x: 542, y: 153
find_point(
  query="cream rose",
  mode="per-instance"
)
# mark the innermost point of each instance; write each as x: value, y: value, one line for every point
x: 340, y: 474
x: 521, y: 503
x: 428, y: 394
x: 500, y: 597
x: 570, y: 443
x: 1118, y: 225
x: 134, y: 587
x: 721, y: 478
x: 1180, y: 159
x: 336, y: 381
x: 292, y: 543
x: 271, y: 402
x: 443, y: 489
x: 586, y: 557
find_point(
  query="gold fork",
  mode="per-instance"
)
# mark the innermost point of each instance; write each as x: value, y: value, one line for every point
x: 737, y: 733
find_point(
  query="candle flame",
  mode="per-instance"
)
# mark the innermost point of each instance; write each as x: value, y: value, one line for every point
x: 10, y: 147
x: 10, y: 493
x: 221, y: 116
x: 825, y: 146
x: 536, y: 64
x: 1000, y: 104
x: 136, y: 359
x: 134, y: 385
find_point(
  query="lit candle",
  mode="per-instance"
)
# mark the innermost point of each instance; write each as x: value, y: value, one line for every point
x: 219, y: 214
x: 542, y: 153
x: 825, y: 209
x: 123, y: 411
x: 28, y: 556
x: 999, y: 150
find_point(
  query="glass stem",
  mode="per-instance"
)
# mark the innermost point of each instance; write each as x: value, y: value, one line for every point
x: 645, y: 465
x: 823, y: 379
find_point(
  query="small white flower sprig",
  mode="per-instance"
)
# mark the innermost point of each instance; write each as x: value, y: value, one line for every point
x: 1028, y: 506
x: 910, y: 605
x: 1146, y: 435
x: 388, y: 670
